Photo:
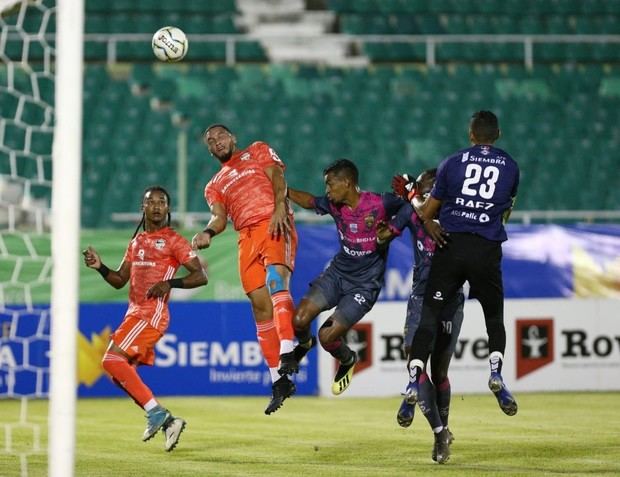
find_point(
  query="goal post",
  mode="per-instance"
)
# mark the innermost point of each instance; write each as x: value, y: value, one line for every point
x: 66, y: 187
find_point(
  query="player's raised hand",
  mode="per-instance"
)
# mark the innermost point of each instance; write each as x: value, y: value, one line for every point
x: 404, y: 186
x: 201, y: 240
x: 279, y: 224
x: 91, y: 258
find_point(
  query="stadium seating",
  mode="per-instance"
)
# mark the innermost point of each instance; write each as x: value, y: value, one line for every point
x: 147, y: 16
x: 389, y: 119
x: 389, y: 17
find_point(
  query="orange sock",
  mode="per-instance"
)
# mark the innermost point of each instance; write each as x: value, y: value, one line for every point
x: 283, y: 310
x: 269, y: 342
x: 126, y: 376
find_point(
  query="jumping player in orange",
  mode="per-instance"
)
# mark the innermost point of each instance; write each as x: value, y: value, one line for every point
x: 250, y: 189
x: 150, y: 263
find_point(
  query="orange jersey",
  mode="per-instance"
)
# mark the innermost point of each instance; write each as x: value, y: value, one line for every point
x: 154, y: 257
x: 242, y: 186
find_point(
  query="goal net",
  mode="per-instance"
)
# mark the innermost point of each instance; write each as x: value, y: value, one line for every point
x: 28, y: 243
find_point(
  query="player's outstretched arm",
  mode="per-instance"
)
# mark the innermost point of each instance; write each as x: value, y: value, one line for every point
x: 301, y: 198
x: 116, y: 278
x: 216, y: 225
x: 196, y: 278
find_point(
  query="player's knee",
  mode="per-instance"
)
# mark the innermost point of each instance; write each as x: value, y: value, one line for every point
x: 274, y: 280
x: 110, y: 362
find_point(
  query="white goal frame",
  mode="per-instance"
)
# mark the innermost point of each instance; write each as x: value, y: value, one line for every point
x: 66, y: 189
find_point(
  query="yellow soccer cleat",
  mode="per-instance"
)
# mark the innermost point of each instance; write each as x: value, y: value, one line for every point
x: 343, y: 376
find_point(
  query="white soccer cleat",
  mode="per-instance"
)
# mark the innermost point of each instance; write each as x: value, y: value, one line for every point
x: 172, y: 432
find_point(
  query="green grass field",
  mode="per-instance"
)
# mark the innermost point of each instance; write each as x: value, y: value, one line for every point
x: 553, y: 434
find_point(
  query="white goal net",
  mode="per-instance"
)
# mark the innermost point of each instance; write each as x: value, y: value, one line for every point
x: 26, y: 133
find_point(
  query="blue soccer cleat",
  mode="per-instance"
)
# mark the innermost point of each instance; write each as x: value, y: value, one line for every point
x: 406, y: 411
x: 505, y: 399
x: 155, y: 420
x: 405, y: 414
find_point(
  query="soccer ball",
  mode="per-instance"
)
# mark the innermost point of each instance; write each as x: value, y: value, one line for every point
x: 169, y: 44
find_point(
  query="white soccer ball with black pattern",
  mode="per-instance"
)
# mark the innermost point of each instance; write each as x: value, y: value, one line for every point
x: 169, y: 44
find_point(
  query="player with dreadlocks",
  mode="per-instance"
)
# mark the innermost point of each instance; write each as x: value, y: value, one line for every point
x: 150, y: 263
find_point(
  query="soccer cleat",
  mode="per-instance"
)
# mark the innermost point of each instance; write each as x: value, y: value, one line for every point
x: 343, y: 376
x: 281, y: 389
x: 441, y: 448
x: 172, y: 431
x: 450, y: 441
x: 155, y: 419
x: 405, y: 413
x: 411, y: 393
x: 505, y: 399
x: 288, y: 364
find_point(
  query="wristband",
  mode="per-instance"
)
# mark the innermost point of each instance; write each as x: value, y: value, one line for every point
x: 175, y: 283
x: 103, y: 270
x: 210, y: 231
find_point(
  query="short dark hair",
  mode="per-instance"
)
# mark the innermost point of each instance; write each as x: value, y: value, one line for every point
x: 217, y: 125
x: 484, y: 126
x: 343, y: 167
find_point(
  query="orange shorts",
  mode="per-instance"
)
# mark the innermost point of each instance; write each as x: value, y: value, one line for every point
x: 258, y: 248
x: 137, y: 338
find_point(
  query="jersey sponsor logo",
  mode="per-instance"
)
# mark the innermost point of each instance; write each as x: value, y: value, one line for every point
x: 160, y: 244
x: 534, y: 345
x: 356, y: 253
x: 237, y: 177
x: 144, y: 263
x: 465, y: 215
x: 499, y: 160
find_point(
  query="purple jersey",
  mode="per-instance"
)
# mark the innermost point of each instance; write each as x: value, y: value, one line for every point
x: 423, y: 250
x: 360, y: 258
x: 476, y: 186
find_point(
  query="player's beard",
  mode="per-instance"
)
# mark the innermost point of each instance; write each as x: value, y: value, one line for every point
x: 225, y: 157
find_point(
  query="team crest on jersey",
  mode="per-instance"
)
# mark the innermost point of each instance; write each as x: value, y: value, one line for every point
x: 485, y: 150
x: 369, y: 220
x: 160, y: 244
x: 141, y: 254
x: 353, y: 228
x: 245, y: 156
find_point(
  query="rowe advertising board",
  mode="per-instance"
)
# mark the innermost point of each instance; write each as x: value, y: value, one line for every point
x: 551, y: 345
